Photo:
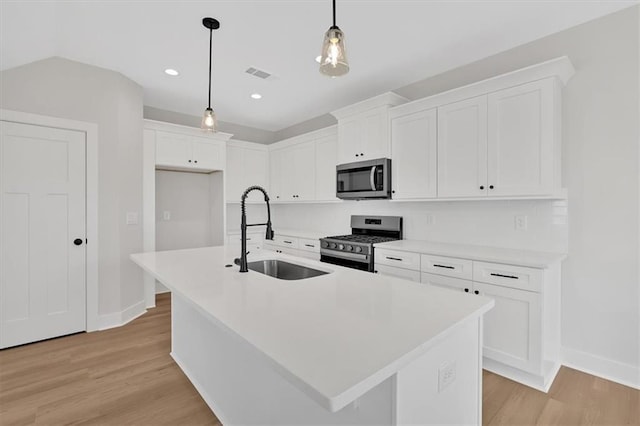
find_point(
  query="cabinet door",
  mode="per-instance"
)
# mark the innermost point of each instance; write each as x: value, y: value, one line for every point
x: 406, y: 274
x: 276, y: 161
x: 512, y: 329
x: 349, y: 141
x: 326, y: 160
x: 462, y: 148
x: 447, y: 282
x: 413, y: 149
x: 234, y: 174
x: 207, y: 155
x: 521, y: 140
x: 173, y: 149
x: 303, y: 178
x: 374, y: 134
x: 255, y: 172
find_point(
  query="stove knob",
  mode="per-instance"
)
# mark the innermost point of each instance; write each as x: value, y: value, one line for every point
x: 340, y: 246
x: 358, y: 249
x: 325, y: 244
x: 349, y: 248
x: 332, y: 245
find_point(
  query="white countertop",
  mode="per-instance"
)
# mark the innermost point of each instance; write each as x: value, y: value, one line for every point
x: 335, y: 336
x: 533, y: 259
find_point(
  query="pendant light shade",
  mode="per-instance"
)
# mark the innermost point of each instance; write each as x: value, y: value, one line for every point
x: 333, y: 59
x: 209, y: 122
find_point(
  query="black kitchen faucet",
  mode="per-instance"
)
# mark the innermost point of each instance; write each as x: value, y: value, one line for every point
x: 242, y: 261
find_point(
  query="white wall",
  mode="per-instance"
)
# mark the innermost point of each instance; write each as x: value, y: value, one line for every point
x: 62, y: 88
x: 601, y: 134
x: 186, y: 197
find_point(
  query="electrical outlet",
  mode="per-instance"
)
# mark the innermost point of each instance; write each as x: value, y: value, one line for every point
x: 431, y: 219
x: 166, y: 215
x: 520, y: 222
x: 446, y: 375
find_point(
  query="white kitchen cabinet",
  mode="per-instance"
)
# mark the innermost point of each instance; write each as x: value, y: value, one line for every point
x: 293, y: 172
x: 326, y: 160
x: 294, y: 245
x: 364, y: 137
x: 521, y: 333
x: 513, y: 328
x: 247, y: 165
x: 405, y: 274
x: 363, y: 129
x: 182, y: 151
x: 462, y: 148
x: 523, y: 126
x: 414, y: 154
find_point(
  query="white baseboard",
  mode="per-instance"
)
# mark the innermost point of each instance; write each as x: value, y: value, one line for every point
x: 625, y: 374
x: 117, y: 319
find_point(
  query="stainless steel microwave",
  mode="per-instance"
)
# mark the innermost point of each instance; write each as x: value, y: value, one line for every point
x: 364, y: 179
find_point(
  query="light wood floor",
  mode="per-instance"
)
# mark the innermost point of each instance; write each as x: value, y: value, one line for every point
x: 126, y: 376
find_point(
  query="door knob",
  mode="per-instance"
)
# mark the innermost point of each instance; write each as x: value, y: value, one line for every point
x: 77, y: 241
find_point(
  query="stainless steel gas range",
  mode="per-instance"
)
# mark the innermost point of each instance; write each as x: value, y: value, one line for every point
x: 356, y: 250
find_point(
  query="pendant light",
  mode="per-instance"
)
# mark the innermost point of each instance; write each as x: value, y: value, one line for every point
x: 333, y: 60
x: 209, y: 122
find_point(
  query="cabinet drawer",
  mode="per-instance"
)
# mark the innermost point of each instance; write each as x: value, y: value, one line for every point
x: 508, y: 276
x: 447, y: 282
x: 309, y: 245
x: 391, y: 271
x: 285, y: 241
x: 399, y: 259
x: 449, y: 266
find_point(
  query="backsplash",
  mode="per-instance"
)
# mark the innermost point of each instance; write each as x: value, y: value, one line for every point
x: 490, y: 223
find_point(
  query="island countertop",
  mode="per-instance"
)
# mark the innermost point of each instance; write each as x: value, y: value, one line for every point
x: 335, y: 336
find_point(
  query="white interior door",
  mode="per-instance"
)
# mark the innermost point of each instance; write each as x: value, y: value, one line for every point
x: 42, y: 233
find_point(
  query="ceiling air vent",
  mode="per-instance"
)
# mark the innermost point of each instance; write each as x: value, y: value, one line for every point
x: 258, y: 73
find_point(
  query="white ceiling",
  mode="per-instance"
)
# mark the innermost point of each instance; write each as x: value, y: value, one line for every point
x: 389, y: 44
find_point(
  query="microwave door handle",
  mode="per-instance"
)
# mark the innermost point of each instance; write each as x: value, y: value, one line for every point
x: 372, y: 178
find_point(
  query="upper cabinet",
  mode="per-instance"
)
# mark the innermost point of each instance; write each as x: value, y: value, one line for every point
x: 496, y: 138
x: 363, y: 129
x: 303, y: 168
x: 247, y: 165
x: 184, y: 148
x: 414, y: 164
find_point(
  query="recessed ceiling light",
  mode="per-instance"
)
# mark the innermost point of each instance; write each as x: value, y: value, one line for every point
x: 318, y: 58
x: 171, y: 71
x: 256, y: 96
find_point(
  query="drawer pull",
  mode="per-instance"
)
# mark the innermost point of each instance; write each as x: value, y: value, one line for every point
x: 443, y: 266
x: 309, y: 245
x: 394, y: 258
x: 288, y: 242
x: 513, y: 277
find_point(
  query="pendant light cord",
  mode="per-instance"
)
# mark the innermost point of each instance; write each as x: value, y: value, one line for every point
x: 334, y: 13
x: 210, y: 55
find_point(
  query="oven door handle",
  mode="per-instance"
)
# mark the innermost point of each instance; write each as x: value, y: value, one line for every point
x: 372, y: 178
x: 343, y: 255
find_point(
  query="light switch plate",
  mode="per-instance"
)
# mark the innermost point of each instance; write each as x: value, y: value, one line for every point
x: 520, y: 222
x: 166, y: 215
x: 132, y: 218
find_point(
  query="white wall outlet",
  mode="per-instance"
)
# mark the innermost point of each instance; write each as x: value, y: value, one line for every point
x: 520, y: 222
x: 431, y: 219
x: 446, y: 375
x: 166, y: 215
x: 132, y: 218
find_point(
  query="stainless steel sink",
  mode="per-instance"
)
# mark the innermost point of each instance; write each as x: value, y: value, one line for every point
x: 284, y: 270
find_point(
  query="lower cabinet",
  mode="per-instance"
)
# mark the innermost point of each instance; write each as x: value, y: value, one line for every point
x: 520, y: 339
x: 295, y: 246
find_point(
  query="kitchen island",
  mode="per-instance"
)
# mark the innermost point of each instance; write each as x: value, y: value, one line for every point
x: 348, y: 347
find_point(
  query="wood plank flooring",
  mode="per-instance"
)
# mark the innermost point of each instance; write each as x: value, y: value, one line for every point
x: 125, y: 376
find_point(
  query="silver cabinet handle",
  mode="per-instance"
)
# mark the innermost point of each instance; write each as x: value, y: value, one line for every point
x: 309, y: 245
x: 288, y: 242
x: 394, y: 258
